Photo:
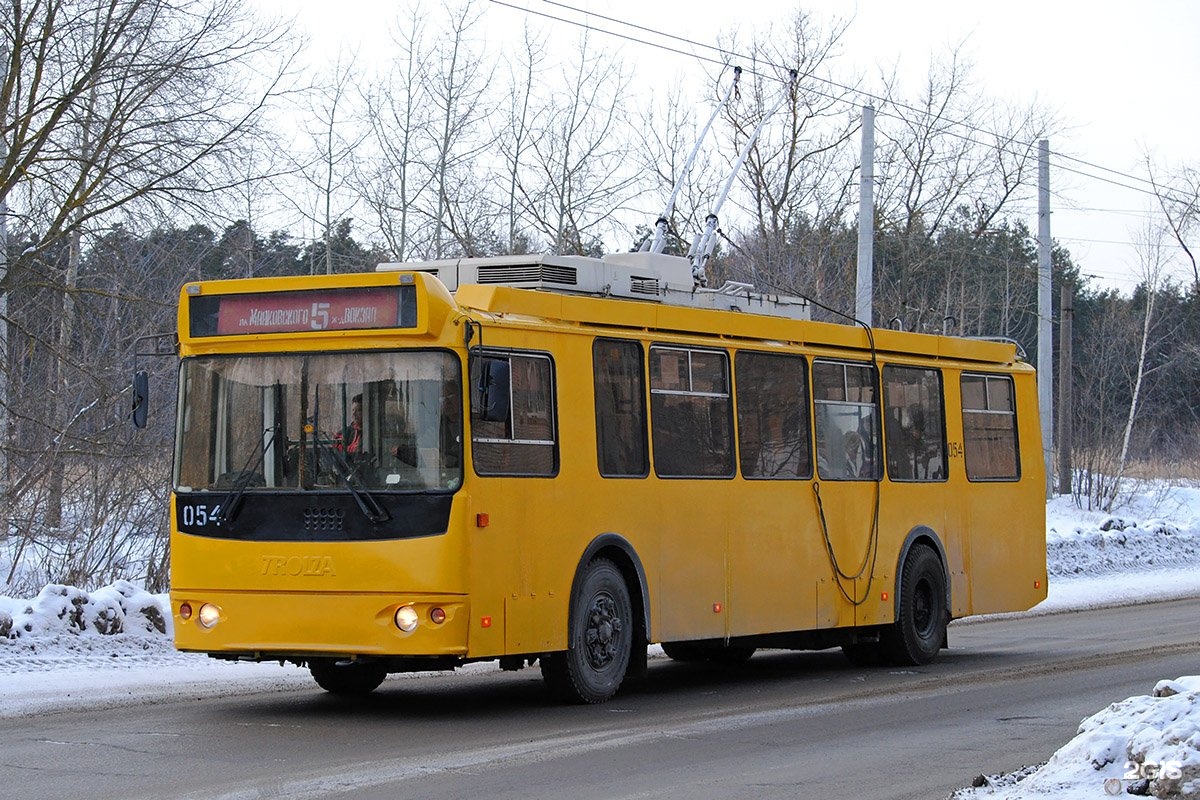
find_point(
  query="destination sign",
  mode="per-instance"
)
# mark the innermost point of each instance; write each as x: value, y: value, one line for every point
x: 363, y: 308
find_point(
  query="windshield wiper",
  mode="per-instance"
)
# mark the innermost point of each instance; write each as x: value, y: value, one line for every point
x: 232, y: 504
x: 367, y: 503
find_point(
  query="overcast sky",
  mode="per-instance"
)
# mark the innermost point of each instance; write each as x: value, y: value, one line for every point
x: 1122, y: 77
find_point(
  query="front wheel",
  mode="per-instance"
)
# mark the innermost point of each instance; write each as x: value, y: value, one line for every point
x: 599, y: 638
x: 920, y: 626
x: 347, y: 677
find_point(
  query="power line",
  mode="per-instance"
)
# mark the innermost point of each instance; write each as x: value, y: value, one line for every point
x: 726, y: 60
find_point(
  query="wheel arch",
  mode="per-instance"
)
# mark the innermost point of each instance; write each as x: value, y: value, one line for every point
x: 617, y: 549
x: 921, y: 535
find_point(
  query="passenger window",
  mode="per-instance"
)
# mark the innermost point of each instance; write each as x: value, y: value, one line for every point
x: 772, y: 409
x: 620, y: 395
x: 989, y: 428
x: 524, y: 442
x: 691, y: 413
x: 913, y: 424
x: 846, y: 419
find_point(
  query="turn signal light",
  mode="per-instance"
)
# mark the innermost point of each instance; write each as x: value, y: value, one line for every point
x: 185, y: 611
x: 437, y: 616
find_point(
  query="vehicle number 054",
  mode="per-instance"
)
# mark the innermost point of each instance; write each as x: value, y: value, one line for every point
x: 200, y: 515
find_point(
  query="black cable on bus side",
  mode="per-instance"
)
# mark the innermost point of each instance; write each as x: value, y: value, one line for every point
x: 872, y: 555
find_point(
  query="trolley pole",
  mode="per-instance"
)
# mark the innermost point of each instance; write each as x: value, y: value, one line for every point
x: 1045, y: 361
x: 865, y: 289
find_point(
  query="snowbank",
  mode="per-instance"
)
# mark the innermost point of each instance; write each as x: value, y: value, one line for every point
x: 1146, y: 745
x: 63, y: 611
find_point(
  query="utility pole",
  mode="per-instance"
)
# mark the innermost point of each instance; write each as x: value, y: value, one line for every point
x: 865, y: 289
x: 1066, y: 430
x: 1045, y: 360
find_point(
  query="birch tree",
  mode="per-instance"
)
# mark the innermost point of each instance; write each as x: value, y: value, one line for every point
x: 1153, y: 260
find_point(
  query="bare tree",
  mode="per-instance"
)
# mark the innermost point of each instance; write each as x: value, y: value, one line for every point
x: 933, y: 165
x: 797, y: 176
x: 327, y: 161
x: 429, y: 117
x: 110, y: 110
x: 666, y: 132
x: 577, y: 179
x: 1179, y: 200
x: 398, y: 117
x: 519, y: 132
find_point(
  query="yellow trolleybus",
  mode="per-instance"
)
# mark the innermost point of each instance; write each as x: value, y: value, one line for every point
x: 564, y: 460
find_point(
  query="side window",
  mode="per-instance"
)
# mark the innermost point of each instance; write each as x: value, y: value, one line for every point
x: 523, y: 442
x: 914, y: 426
x: 846, y: 421
x: 691, y: 413
x: 989, y: 428
x: 620, y: 386
x: 772, y: 409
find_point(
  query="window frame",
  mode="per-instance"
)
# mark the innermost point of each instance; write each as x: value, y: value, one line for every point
x: 805, y: 407
x: 727, y: 396
x: 886, y: 424
x: 475, y: 356
x: 874, y: 445
x: 1013, y: 414
x: 639, y: 392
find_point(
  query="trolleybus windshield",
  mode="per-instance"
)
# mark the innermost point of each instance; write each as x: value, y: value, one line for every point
x: 364, y: 421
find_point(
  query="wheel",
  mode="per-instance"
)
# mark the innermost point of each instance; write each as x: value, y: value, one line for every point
x: 599, y: 638
x: 920, y: 627
x: 347, y: 678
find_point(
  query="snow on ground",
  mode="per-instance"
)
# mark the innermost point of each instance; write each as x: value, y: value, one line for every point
x: 70, y: 649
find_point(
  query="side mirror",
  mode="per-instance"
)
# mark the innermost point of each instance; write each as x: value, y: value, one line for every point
x: 141, y: 397
x: 495, y: 390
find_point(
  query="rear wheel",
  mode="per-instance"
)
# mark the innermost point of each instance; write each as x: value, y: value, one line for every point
x: 347, y: 677
x: 599, y: 638
x: 920, y: 626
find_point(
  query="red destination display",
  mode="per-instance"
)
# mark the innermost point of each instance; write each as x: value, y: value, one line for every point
x: 304, y: 311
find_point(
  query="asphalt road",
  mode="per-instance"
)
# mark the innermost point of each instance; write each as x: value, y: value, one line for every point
x: 785, y: 725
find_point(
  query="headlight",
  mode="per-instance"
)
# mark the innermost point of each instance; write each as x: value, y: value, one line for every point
x: 406, y: 619
x: 209, y: 615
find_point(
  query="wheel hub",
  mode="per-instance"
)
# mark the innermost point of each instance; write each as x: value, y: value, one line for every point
x: 603, y: 631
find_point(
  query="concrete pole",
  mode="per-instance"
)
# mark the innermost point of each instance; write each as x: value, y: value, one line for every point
x: 1045, y: 360
x: 865, y: 290
x: 1066, y: 430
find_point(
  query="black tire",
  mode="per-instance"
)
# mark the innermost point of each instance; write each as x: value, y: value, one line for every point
x: 347, y: 678
x: 599, y: 638
x: 920, y: 627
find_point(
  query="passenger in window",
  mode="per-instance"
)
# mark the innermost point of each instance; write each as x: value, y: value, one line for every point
x: 858, y: 462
